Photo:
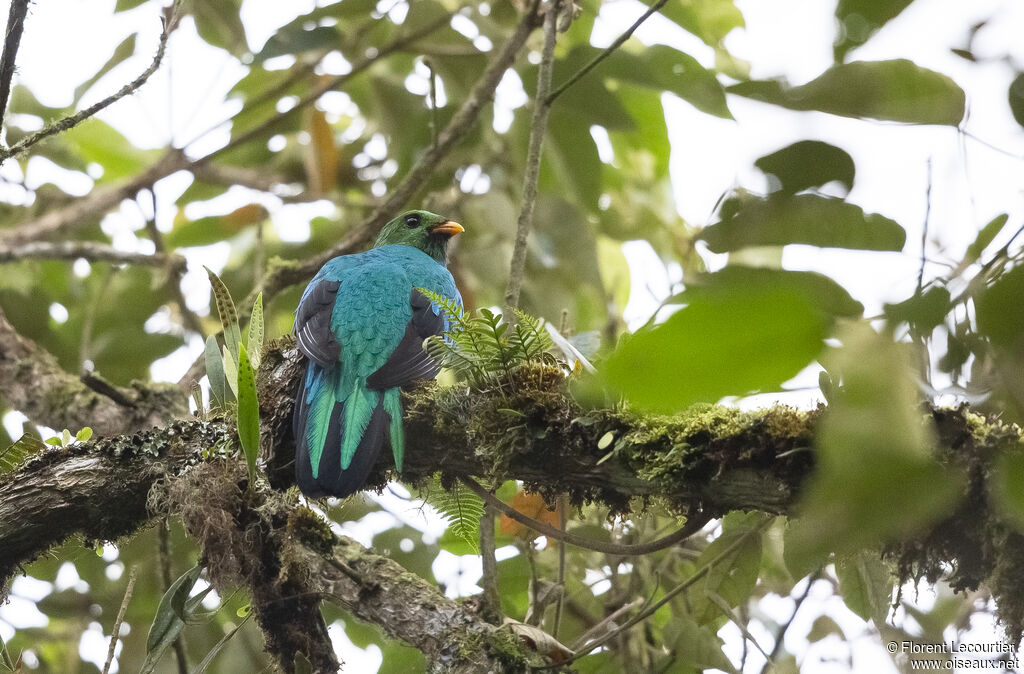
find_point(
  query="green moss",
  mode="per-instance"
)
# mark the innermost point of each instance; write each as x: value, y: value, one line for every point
x: 307, y: 527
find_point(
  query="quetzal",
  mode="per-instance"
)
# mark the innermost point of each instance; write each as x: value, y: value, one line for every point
x: 361, y: 323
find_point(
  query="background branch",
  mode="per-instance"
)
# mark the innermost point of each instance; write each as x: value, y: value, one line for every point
x: 93, y: 251
x: 170, y: 22
x: 35, y: 384
x: 531, y: 178
x: 15, y: 27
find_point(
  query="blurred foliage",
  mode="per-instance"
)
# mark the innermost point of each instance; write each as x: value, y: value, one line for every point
x: 605, y: 179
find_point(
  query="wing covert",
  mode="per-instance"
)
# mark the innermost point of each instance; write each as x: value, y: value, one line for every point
x: 313, y: 330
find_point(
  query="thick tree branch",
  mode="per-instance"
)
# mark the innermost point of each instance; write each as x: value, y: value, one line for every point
x: 714, y: 459
x: 34, y: 383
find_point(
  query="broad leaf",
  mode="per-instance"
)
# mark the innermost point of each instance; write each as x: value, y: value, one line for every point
x: 830, y: 298
x: 121, y: 52
x: 875, y: 478
x: 860, y: 19
x: 865, y: 584
x: 778, y: 220
x: 806, y: 164
x: 896, y: 90
x: 731, y: 342
x: 999, y: 309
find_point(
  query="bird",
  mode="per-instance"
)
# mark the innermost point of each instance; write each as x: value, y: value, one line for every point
x: 361, y: 324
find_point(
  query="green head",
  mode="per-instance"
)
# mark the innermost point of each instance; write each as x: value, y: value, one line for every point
x: 421, y: 229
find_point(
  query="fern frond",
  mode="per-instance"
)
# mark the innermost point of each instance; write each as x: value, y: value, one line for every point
x: 12, y: 456
x: 462, y: 509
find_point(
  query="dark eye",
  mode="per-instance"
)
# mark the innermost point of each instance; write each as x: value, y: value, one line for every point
x: 412, y: 221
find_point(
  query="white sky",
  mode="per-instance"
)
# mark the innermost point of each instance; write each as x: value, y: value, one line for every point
x: 971, y: 183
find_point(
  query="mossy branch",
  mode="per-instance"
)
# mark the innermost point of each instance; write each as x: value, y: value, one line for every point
x: 710, y: 459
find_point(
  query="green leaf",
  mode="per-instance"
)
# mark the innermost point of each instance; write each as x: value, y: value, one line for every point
x: 170, y: 614
x: 462, y: 509
x: 998, y: 308
x: 1007, y: 487
x: 1016, y: 98
x: 710, y: 20
x: 248, y: 413
x: 896, y: 90
x: 822, y: 627
x: 830, y: 298
x: 657, y: 67
x: 218, y: 23
x: 985, y: 237
x: 228, y: 315
x: 875, y: 478
x: 924, y: 311
x: 809, y: 219
x: 694, y: 647
x: 734, y: 576
x: 865, y: 584
x: 12, y: 456
x: 214, y: 228
x: 806, y: 164
x: 213, y: 652
x: 215, y: 373
x: 230, y: 371
x: 97, y: 142
x: 65, y: 437
x: 55, y: 441
x: 121, y: 52
x: 297, y: 39
x: 860, y: 19
x: 84, y: 434
x: 732, y: 342
x: 123, y: 5
x: 255, y: 338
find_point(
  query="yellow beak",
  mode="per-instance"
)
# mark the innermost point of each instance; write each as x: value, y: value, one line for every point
x: 448, y: 228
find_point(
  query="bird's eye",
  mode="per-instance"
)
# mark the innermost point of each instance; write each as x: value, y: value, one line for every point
x: 412, y: 220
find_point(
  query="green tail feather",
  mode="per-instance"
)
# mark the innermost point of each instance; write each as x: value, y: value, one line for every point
x: 321, y: 398
x: 359, y: 406
x: 393, y: 406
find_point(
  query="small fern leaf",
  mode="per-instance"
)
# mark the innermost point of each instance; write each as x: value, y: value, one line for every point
x: 462, y: 509
x: 16, y: 454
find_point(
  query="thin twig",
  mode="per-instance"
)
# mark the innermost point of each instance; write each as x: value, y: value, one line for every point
x: 93, y: 251
x: 924, y: 229
x: 15, y: 27
x: 188, y: 317
x: 332, y: 84
x: 605, y: 622
x: 694, y: 524
x: 531, y: 178
x: 579, y: 74
x: 432, y: 102
x: 71, y: 121
x: 456, y: 129
x: 780, y: 635
x: 669, y: 596
x: 563, y: 506
x: 490, y: 609
x: 120, y: 617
